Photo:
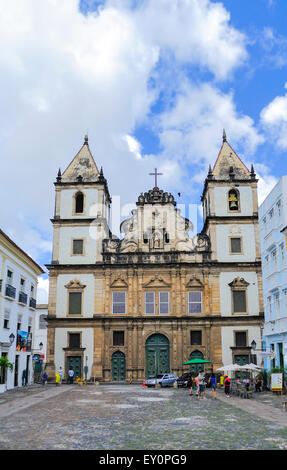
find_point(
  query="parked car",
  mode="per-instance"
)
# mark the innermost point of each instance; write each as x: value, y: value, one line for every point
x: 152, y: 381
x: 184, y: 380
x: 168, y: 380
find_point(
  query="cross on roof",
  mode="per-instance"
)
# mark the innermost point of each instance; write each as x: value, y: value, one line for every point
x: 155, y: 174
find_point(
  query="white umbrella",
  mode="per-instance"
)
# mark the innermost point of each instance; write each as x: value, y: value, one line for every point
x: 230, y: 368
x: 251, y: 367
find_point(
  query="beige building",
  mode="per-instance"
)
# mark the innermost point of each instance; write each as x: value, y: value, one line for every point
x: 148, y: 302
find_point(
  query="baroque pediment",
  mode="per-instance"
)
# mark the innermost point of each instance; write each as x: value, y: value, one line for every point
x: 75, y: 284
x: 119, y: 282
x: 194, y: 282
x: 156, y: 281
x: 239, y: 283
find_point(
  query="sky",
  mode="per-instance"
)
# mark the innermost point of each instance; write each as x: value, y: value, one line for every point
x: 153, y: 84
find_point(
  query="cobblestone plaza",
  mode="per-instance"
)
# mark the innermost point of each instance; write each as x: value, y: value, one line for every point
x: 131, y: 417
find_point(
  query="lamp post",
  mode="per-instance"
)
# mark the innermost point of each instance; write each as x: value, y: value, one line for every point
x: 11, y: 339
x: 41, y: 346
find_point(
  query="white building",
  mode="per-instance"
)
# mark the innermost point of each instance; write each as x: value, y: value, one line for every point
x: 39, y: 346
x: 18, y: 293
x: 272, y: 220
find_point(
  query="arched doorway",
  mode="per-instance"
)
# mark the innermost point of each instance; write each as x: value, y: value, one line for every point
x: 157, y: 355
x: 195, y: 368
x: 118, y: 367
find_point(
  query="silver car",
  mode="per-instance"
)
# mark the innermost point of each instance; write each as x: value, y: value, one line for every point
x: 168, y: 380
x: 152, y: 381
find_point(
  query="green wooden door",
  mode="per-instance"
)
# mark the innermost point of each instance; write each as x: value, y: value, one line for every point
x: 241, y: 360
x: 157, y: 355
x: 118, y: 367
x: 76, y: 363
x: 196, y: 368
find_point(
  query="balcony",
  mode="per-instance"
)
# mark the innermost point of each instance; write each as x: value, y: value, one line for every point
x: 32, y: 302
x: 23, y: 298
x: 10, y: 291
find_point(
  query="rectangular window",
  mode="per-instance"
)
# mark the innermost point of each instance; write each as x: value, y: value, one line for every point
x: 164, y: 302
x: 22, y: 284
x: 195, y: 337
x: 74, y: 340
x: 9, y: 277
x: 118, y: 338
x: 235, y: 245
x: 78, y: 247
x: 195, y: 302
x: 239, y: 301
x: 149, y: 302
x: 75, y: 303
x: 119, y: 302
x: 240, y: 339
x: 6, y: 319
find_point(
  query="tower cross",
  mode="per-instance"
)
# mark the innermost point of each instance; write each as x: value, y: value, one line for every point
x: 155, y: 174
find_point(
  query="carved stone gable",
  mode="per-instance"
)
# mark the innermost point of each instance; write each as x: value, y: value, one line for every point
x: 75, y: 284
x: 239, y: 283
x: 119, y: 282
x: 194, y: 282
x: 156, y: 281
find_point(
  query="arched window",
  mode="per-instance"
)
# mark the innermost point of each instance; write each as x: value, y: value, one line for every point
x: 233, y: 200
x: 79, y: 203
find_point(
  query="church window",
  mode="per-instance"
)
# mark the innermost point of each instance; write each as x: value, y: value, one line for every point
x: 233, y: 200
x: 78, y: 247
x: 239, y: 301
x: 240, y: 339
x: 75, y: 303
x: 235, y: 245
x: 79, y: 203
x: 195, y: 337
x: 119, y: 302
x: 195, y: 302
x: 164, y: 302
x: 74, y: 340
x: 149, y: 302
x: 118, y: 338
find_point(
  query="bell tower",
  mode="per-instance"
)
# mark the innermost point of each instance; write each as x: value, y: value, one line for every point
x: 230, y: 208
x: 82, y: 211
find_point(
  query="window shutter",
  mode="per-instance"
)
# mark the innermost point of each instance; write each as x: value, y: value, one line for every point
x: 75, y: 303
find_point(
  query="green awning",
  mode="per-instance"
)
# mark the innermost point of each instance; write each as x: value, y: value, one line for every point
x: 196, y: 361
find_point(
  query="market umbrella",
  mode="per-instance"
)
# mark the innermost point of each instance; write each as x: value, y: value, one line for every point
x: 197, y: 361
x: 230, y: 368
x: 251, y: 367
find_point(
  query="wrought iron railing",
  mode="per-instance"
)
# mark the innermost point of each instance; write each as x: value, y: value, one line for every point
x: 10, y: 291
x: 23, y: 298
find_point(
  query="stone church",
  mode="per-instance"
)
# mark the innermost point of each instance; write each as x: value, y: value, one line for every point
x: 147, y: 302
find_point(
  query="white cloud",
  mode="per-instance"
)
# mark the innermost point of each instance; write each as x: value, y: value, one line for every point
x: 42, y: 290
x: 274, y: 120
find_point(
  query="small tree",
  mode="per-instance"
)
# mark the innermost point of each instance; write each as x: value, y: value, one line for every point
x: 4, y: 365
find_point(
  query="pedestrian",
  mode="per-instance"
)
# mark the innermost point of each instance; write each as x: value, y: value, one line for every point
x: 190, y: 384
x: 227, y: 385
x: 212, y: 380
x: 58, y: 378
x: 258, y: 384
x: 221, y: 381
x: 44, y: 378
x: 24, y: 378
x: 71, y: 375
x: 197, y: 386
x: 61, y: 373
x: 201, y: 384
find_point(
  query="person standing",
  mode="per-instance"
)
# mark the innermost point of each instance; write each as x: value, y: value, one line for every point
x: 44, y: 378
x: 61, y: 375
x: 227, y: 385
x: 201, y: 384
x: 213, y: 385
x: 58, y: 378
x: 71, y: 375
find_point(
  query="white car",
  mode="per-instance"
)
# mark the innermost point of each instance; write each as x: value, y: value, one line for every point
x: 152, y: 381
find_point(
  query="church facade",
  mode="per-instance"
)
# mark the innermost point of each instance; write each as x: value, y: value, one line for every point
x: 150, y: 301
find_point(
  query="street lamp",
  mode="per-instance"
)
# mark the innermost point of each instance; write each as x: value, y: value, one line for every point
x: 253, y: 345
x: 41, y: 346
x: 11, y: 338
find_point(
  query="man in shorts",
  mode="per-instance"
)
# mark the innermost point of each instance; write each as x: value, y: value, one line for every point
x: 201, y: 384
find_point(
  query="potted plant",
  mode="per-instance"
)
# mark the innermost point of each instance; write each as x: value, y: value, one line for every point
x: 4, y: 365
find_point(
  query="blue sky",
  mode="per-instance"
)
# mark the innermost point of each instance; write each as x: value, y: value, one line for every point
x: 153, y: 84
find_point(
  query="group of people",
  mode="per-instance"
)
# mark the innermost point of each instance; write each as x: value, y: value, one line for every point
x: 59, y: 376
x: 198, y: 384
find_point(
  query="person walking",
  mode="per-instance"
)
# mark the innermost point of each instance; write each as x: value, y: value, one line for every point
x: 44, y: 378
x: 58, y: 379
x: 227, y: 385
x: 61, y: 373
x: 71, y: 375
x: 201, y: 384
x: 197, y: 386
x: 212, y: 380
